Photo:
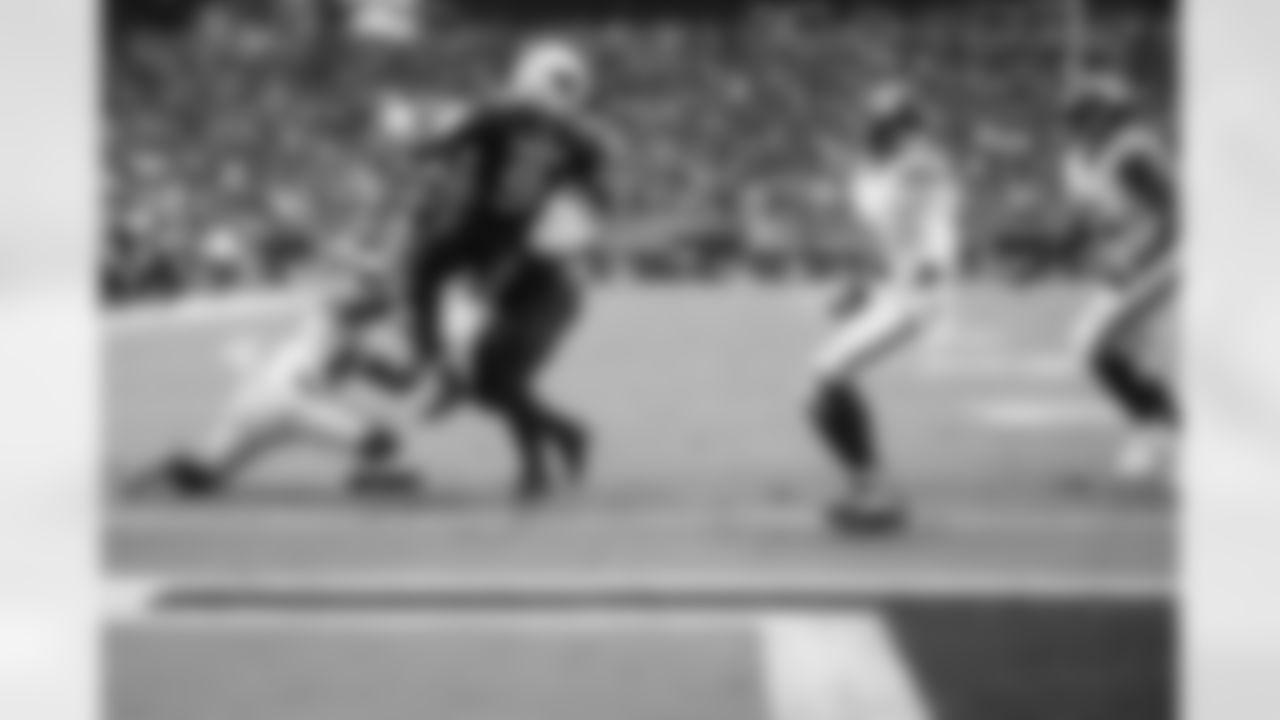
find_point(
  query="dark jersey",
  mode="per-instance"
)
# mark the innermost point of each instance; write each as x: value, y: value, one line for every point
x: 501, y: 167
x: 1125, y: 197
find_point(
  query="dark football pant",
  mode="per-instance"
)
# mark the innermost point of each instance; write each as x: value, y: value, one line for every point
x: 533, y: 314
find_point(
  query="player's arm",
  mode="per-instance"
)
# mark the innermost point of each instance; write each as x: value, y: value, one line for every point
x: 438, y: 180
x: 942, y: 217
x: 853, y: 289
x: 427, y: 154
x: 361, y: 363
x: 1150, y: 178
x: 943, y: 245
x: 1147, y: 177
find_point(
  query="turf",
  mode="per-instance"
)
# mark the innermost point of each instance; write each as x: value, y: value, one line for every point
x: 706, y: 493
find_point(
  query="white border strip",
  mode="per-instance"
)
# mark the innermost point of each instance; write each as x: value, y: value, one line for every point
x: 143, y: 612
x: 131, y: 595
x: 586, y: 622
x: 837, y: 669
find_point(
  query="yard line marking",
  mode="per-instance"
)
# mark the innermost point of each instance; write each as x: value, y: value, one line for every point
x: 607, y: 521
x: 979, y: 349
x: 1047, y: 366
x: 570, y: 592
x: 1031, y: 413
x: 146, y: 609
x: 848, y: 668
x: 604, y: 622
x: 559, y: 624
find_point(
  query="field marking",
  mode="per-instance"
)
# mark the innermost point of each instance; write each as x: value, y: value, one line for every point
x: 613, y: 522
x: 580, y: 622
x: 139, y: 603
x: 1010, y: 364
x: 552, y: 591
x: 848, y: 668
x: 1039, y: 413
x: 983, y: 352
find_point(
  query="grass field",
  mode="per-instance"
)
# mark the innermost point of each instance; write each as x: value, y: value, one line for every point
x: 699, y: 526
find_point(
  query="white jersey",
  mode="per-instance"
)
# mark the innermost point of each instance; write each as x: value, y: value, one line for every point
x: 910, y: 206
x: 305, y: 357
x: 315, y: 350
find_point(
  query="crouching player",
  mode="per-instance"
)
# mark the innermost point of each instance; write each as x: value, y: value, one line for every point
x: 294, y: 393
x: 1121, y: 187
x: 906, y: 197
x: 491, y: 295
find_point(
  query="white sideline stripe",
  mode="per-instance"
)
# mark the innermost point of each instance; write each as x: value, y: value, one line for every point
x: 804, y: 519
x: 142, y: 610
x: 201, y: 310
x: 130, y: 600
x: 396, y: 623
x: 998, y: 365
x: 1041, y: 413
x: 968, y: 350
x: 138, y: 594
x: 837, y: 669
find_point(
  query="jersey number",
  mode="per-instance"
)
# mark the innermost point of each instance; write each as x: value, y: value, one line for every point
x: 531, y: 172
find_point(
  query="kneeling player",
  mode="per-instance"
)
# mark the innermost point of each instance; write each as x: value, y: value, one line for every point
x: 1121, y: 187
x: 906, y: 197
x: 293, y: 394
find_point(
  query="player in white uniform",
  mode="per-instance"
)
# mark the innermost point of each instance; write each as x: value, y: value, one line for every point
x: 1120, y: 184
x: 905, y: 195
x: 293, y: 393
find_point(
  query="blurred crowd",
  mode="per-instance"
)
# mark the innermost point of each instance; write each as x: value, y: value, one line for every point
x: 240, y: 143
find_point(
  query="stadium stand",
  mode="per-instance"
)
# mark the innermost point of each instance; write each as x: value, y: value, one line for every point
x: 239, y: 133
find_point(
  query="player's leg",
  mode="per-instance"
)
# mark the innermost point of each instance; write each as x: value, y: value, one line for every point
x: 554, y: 307
x: 1119, y: 360
x: 840, y: 412
x: 323, y: 418
x: 391, y: 364
x: 533, y: 320
x: 258, y: 423
x: 254, y: 422
x: 464, y: 317
x: 440, y: 316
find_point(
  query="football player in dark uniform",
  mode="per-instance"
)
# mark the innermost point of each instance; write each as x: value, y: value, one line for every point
x: 1120, y: 181
x: 490, y: 295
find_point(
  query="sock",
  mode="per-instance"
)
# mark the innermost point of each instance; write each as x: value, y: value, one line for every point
x: 1142, y: 398
x: 842, y: 419
x: 509, y: 405
x: 193, y: 475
